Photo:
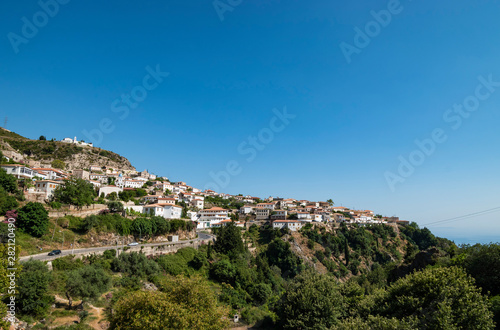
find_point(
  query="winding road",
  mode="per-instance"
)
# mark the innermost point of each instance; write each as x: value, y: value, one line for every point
x: 45, y: 257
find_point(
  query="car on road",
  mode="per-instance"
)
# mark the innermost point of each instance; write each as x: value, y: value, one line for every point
x: 54, y: 252
x: 132, y: 244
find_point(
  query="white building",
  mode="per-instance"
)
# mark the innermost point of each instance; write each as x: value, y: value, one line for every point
x: 246, y: 209
x: 293, y: 225
x: 268, y: 206
x: 47, y: 187
x: 75, y: 141
x: 206, y: 218
x: 129, y: 183
x: 198, y: 203
x: 172, y: 211
x: 317, y: 217
x: 166, y: 200
x: 19, y: 171
x: 304, y: 216
x: 167, y: 211
x: 96, y: 184
x: 226, y: 222
x: 50, y: 173
x: 163, y: 186
x: 214, y: 212
x: 106, y: 190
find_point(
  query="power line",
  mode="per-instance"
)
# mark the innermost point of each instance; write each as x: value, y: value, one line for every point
x: 495, y: 209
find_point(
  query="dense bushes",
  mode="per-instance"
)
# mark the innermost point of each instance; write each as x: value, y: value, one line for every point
x: 135, y: 264
x: 144, y: 227
x: 33, y: 219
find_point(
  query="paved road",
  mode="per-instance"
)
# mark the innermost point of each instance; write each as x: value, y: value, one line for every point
x: 45, y: 257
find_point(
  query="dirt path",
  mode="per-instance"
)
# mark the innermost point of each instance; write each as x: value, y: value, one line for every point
x: 98, y: 323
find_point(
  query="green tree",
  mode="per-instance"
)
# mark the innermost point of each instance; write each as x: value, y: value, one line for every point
x: 57, y: 163
x: 330, y: 201
x: 76, y: 192
x: 229, y: 241
x: 183, y: 303
x: 483, y: 263
x: 115, y: 207
x: 440, y: 298
x: 279, y: 254
x: 33, y: 219
x: 8, y: 182
x: 135, y: 264
x: 32, y: 288
x: 7, y: 202
x: 86, y: 282
x: 311, y: 301
x: 223, y: 271
x: 42, y: 138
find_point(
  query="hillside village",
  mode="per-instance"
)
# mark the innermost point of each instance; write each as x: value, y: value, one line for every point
x: 176, y: 200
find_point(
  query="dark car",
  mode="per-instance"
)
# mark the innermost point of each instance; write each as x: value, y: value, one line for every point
x: 54, y: 252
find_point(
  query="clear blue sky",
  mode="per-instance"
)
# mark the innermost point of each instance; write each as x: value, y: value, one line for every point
x: 352, y: 120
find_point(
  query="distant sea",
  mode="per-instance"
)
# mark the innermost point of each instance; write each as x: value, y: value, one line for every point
x: 473, y: 239
x: 461, y: 235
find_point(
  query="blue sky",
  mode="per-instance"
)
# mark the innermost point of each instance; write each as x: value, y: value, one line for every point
x: 352, y: 120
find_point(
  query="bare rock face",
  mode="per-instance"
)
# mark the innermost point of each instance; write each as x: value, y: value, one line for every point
x: 89, y: 157
x: 149, y: 287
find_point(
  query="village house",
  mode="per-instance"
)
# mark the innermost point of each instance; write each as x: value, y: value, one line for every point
x: 50, y: 173
x: 130, y: 183
x: 102, y: 178
x: 106, y: 190
x: 163, y: 186
x: 279, y: 215
x: 75, y: 141
x: 150, y: 199
x: 166, y: 200
x: 167, y: 211
x: 19, y: 171
x: 304, y: 216
x: 47, y: 187
x: 81, y: 174
x: 96, y: 184
x: 198, y: 203
x: 262, y: 213
x: 268, y: 206
x: 293, y: 225
x: 210, y: 216
x: 213, y: 213
x: 317, y: 217
x: 95, y: 168
x: 246, y: 209
x: 226, y: 222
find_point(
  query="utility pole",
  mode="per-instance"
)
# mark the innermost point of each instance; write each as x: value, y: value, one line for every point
x: 54, y: 229
x: 74, y: 241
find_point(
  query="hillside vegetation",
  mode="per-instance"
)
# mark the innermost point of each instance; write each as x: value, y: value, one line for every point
x: 74, y: 156
x: 322, y: 277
